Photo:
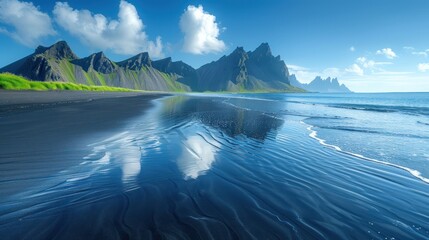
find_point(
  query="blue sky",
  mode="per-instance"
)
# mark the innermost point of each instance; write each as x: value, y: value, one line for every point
x: 371, y: 46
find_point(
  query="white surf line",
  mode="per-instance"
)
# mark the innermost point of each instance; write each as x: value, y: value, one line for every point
x: 313, y: 134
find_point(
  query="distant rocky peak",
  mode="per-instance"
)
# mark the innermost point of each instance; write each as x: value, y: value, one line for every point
x: 59, y: 50
x: 318, y: 79
x: 263, y: 50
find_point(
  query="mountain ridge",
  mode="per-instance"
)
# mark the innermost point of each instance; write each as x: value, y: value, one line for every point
x: 58, y: 63
x: 318, y: 84
x: 252, y: 71
x: 241, y: 70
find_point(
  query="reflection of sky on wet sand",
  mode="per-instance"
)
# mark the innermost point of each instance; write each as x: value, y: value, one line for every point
x: 121, y: 151
x: 197, y: 157
x: 184, y: 124
x: 193, y: 118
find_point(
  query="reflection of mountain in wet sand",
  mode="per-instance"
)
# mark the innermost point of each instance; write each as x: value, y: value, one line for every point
x: 228, y: 118
x: 199, y: 149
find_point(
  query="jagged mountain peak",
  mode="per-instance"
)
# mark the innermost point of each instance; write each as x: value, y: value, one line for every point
x: 59, y: 50
x: 98, y: 56
x: 238, y: 51
x: 317, y: 79
x: 136, y: 62
x: 167, y: 65
x: 97, y: 61
x: 263, y: 50
x: 328, y: 85
x: 257, y: 69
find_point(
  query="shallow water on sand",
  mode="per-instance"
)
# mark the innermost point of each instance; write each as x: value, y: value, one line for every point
x: 221, y: 166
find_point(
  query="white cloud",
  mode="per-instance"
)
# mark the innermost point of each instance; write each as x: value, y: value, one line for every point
x: 355, y: 69
x: 201, y: 31
x: 352, y: 49
x: 25, y: 22
x: 387, y: 52
x: 422, y: 53
x: 296, y: 68
x: 423, y: 67
x: 370, y: 64
x: 124, y: 36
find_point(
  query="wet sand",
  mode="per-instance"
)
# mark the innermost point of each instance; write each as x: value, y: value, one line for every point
x: 43, y: 97
x: 57, y: 125
x: 193, y: 168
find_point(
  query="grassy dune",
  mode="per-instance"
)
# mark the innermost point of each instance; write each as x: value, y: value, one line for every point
x: 10, y: 81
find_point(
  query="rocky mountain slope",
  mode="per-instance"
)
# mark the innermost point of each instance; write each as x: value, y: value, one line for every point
x: 59, y: 63
x: 181, y: 71
x: 240, y: 71
x: 246, y: 71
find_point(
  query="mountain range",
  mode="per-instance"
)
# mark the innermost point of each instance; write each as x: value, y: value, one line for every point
x: 257, y: 70
x: 328, y: 85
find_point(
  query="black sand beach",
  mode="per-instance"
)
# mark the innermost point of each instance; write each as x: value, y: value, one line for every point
x: 39, y: 128
x: 193, y: 167
x: 38, y: 97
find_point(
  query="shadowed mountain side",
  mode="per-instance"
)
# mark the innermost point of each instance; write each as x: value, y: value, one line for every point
x: 231, y: 120
x: 246, y: 71
x: 44, y: 64
x: 184, y: 73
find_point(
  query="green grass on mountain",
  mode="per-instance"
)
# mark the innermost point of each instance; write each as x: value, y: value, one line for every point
x: 10, y: 81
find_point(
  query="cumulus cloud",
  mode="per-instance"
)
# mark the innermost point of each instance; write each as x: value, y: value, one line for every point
x: 387, y: 52
x: 125, y: 35
x: 423, y: 67
x: 201, y: 31
x: 24, y: 22
x: 356, y: 69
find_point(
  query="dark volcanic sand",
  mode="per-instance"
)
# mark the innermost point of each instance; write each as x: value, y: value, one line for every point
x: 39, y: 128
x: 194, y: 167
x: 32, y: 97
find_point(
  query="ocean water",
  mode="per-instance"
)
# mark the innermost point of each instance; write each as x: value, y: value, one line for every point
x: 233, y: 166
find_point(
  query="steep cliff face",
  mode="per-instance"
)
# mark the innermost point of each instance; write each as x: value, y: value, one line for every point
x: 97, y: 62
x: 43, y: 64
x: 246, y: 71
x: 182, y: 71
x: 225, y: 74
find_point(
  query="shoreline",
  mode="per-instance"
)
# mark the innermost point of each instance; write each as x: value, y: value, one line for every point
x: 28, y: 97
